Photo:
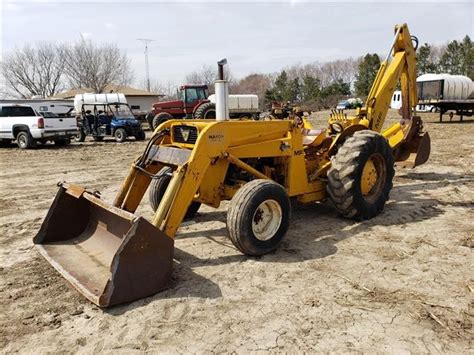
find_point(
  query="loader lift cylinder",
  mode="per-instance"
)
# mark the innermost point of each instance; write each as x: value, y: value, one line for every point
x: 222, y: 93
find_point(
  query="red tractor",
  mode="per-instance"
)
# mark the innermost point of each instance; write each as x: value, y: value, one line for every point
x: 192, y: 102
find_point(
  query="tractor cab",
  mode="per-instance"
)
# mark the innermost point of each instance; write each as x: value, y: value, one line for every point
x: 190, y: 94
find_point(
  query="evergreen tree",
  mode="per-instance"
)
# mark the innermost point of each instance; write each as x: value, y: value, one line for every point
x: 278, y: 92
x: 367, y: 71
x: 311, y: 88
x: 451, y: 61
x: 424, y: 63
x: 292, y: 92
x: 468, y: 57
x: 338, y: 87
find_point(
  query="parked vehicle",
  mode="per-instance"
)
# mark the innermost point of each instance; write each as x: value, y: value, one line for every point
x: 101, y: 119
x: 23, y: 124
x: 194, y: 102
x: 396, y: 104
x: 445, y: 92
x: 349, y: 104
x: 62, y: 108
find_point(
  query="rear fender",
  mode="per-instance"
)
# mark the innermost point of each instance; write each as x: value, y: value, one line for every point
x: 18, y: 128
x: 340, y: 138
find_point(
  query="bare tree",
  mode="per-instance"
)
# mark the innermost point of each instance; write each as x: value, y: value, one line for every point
x: 207, y: 75
x: 34, y: 70
x: 256, y: 84
x: 168, y: 90
x: 93, y: 66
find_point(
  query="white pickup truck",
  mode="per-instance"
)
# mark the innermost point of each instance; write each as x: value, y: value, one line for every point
x: 23, y: 124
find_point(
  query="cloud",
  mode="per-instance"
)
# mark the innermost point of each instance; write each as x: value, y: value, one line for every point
x: 110, y: 25
x: 11, y: 6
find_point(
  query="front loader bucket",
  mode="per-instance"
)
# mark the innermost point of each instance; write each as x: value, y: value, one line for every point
x: 109, y: 255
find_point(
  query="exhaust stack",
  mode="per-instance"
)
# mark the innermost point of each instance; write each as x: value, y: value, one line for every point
x: 222, y: 93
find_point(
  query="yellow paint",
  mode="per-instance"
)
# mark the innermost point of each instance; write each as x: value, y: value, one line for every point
x: 368, y: 178
x: 229, y: 153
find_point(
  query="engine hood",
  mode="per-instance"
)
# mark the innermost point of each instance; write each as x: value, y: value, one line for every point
x: 168, y: 104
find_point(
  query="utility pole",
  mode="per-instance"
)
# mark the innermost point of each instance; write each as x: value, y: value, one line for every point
x: 147, y: 68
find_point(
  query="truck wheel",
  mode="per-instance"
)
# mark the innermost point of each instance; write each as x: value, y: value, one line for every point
x: 258, y: 217
x: 120, y: 135
x: 62, y: 142
x: 25, y: 140
x: 360, y: 178
x: 140, y: 136
x: 160, y: 118
x: 80, y: 136
x: 157, y: 190
x: 206, y: 111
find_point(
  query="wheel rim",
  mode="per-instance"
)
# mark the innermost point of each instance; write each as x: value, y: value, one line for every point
x: 22, y: 140
x: 119, y: 135
x: 373, y: 177
x: 266, y: 220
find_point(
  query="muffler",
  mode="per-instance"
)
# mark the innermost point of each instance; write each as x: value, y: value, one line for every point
x: 109, y: 255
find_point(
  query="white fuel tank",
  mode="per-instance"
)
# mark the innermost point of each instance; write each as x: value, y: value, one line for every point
x: 445, y: 86
x: 90, y: 99
x: 240, y: 103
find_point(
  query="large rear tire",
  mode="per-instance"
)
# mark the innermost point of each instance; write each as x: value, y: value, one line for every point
x: 360, y: 178
x: 160, y: 118
x: 157, y: 190
x: 258, y: 217
x: 206, y: 111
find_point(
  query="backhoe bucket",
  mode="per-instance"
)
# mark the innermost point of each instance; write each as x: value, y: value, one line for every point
x: 416, y: 148
x: 109, y: 255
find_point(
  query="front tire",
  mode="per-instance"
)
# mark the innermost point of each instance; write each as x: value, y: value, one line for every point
x: 206, y: 111
x: 258, y: 217
x: 157, y: 190
x: 360, y: 178
x: 160, y: 118
x: 120, y: 135
x: 80, y: 136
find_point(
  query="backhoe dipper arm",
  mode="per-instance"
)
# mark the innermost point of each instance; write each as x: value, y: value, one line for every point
x: 401, y: 66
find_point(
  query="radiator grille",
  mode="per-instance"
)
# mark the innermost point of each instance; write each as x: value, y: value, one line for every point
x: 185, y: 134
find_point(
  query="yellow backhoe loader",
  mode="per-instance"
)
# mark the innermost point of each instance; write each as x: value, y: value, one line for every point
x: 112, y: 256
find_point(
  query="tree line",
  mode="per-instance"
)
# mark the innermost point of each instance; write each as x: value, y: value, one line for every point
x: 321, y: 85
x: 46, y: 69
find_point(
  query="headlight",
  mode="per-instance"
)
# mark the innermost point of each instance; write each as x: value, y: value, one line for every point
x: 336, y: 127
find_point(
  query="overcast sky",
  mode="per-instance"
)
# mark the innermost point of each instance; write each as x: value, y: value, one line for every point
x: 255, y: 37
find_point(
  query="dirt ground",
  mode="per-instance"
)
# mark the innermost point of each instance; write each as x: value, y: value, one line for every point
x: 401, y: 282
